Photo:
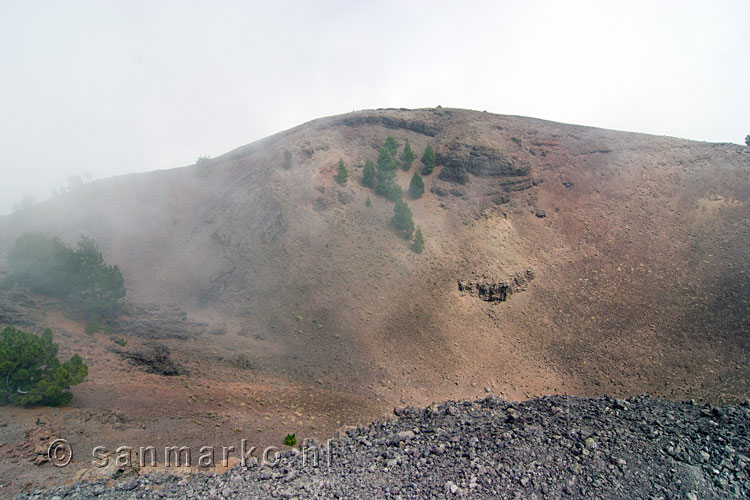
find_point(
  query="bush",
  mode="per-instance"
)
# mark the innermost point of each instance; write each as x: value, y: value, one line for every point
x: 81, y: 278
x: 368, y: 174
x: 287, y: 159
x: 428, y: 158
x: 290, y: 440
x: 32, y: 372
x: 402, y: 220
x: 747, y: 140
x: 407, y: 156
x: 368, y: 202
x: 93, y: 325
x: 416, y: 186
x: 343, y: 173
x: 418, y: 244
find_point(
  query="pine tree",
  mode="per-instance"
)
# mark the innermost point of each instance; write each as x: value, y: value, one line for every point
x: 428, y: 158
x: 368, y: 202
x: 418, y: 245
x: 407, y: 156
x: 287, y: 159
x: 386, y: 171
x: 343, y: 173
x: 416, y: 186
x: 402, y: 220
x: 747, y: 140
x: 392, y: 145
x: 368, y: 174
x: 31, y: 371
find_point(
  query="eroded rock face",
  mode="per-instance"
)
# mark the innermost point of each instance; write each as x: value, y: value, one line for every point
x: 418, y: 126
x: 496, y: 291
x: 460, y: 159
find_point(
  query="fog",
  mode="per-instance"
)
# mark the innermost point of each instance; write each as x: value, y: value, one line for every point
x: 96, y: 89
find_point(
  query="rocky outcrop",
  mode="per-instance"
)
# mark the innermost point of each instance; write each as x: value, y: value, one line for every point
x: 418, y: 126
x: 154, y: 357
x: 460, y: 159
x: 157, y: 322
x: 496, y: 291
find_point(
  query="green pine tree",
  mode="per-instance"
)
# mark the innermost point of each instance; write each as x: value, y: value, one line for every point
x: 418, y: 245
x: 402, y: 220
x: 368, y: 175
x: 407, y: 156
x: 392, y: 145
x: 368, y: 202
x: 428, y: 159
x: 416, y: 186
x: 343, y: 173
x: 31, y: 372
x: 287, y: 159
x: 386, y: 171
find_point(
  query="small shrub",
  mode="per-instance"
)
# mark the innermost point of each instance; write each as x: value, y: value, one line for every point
x: 287, y: 159
x: 418, y: 245
x: 93, y: 325
x: 121, y: 341
x: 368, y: 202
x: 290, y: 440
x: 747, y: 140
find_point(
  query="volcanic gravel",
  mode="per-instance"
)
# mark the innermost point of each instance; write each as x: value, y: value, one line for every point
x: 552, y: 447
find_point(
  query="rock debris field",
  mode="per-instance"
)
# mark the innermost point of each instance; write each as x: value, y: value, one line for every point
x: 552, y: 447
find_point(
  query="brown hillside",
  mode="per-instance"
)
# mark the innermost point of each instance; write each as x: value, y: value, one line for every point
x: 638, y: 246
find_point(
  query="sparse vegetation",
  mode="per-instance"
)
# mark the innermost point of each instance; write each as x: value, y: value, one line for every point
x: 31, y: 371
x: 287, y: 159
x: 428, y: 159
x: 402, y: 219
x: 407, y: 156
x: 368, y: 202
x: 342, y: 175
x: 416, y: 186
x: 747, y: 140
x: 46, y: 265
x: 290, y: 440
x: 368, y: 174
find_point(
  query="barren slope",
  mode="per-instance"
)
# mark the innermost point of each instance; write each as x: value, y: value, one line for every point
x: 638, y: 245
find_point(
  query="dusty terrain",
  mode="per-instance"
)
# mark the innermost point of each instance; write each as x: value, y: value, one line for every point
x: 304, y: 311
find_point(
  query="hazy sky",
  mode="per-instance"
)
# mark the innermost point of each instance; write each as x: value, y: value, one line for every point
x: 114, y: 87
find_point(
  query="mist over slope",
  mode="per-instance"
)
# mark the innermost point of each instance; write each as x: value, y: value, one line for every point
x: 637, y: 246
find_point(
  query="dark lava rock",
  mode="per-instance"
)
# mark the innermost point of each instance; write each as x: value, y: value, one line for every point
x: 420, y: 127
x: 496, y: 291
x: 157, y: 322
x: 551, y: 447
x: 460, y: 159
x: 154, y: 357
